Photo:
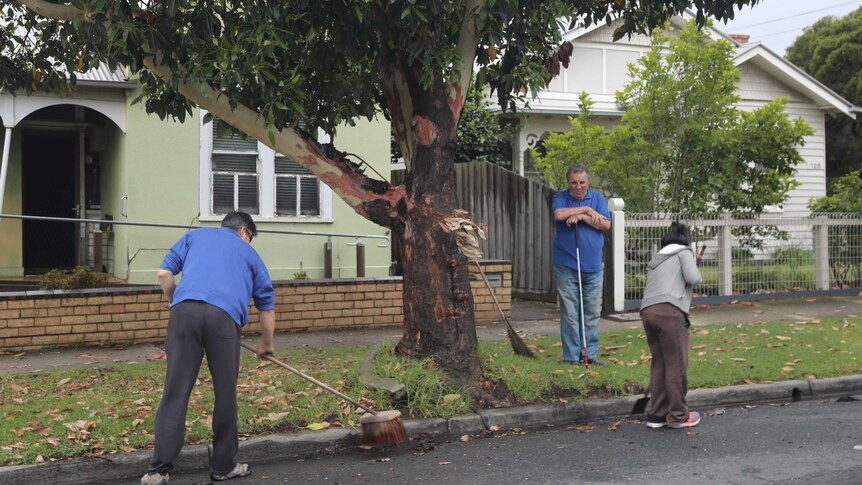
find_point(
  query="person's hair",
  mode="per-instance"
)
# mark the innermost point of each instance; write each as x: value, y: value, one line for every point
x: 236, y: 220
x: 678, y: 234
x: 577, y: 168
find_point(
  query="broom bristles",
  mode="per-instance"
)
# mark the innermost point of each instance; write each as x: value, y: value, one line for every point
x: 518, y: 345
x: 382, y: 428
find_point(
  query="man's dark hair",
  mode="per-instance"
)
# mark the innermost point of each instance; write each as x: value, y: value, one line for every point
x: 236, y: 220
x: 577, y: 168
x: 678, y: 235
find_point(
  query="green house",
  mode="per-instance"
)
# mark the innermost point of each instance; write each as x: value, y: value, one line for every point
x: 92, y: 154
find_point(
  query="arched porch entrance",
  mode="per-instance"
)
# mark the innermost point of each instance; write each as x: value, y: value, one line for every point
x: 55, y: 152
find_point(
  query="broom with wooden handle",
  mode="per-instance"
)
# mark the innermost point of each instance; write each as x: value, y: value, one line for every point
x: 378, y: 427
x: 518, y: 344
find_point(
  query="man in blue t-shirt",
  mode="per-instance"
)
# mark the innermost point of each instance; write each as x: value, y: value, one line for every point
x: 581, y: 216
x: 221, y: 273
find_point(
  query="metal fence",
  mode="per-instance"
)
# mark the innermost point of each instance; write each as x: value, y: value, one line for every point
x: 751, y: 258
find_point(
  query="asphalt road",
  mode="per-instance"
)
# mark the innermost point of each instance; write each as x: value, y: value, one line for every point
x: 807, y: 442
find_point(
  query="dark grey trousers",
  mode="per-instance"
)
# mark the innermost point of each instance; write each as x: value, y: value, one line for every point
x: 196, y: 328
x: 668, y: 337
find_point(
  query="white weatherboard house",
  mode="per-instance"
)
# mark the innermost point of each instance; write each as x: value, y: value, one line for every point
x: 599, y: 66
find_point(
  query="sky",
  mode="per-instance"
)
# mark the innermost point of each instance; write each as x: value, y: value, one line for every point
x: 777, y: 23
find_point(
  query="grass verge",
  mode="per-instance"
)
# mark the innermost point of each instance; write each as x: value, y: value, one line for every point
x: 60, y: 414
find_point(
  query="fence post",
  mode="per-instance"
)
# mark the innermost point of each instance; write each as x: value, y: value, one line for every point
x: 821, y: 253
x: 97, y: 250
x: 725, y: 257
x: 327, y: 258
x: 360, y: 259
x: 618, y: 253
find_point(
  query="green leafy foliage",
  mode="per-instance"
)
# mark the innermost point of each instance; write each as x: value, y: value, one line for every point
x: 845, y: 242
x: 80, y: 277
x: 483, y: 135
x: 682, y: 146
x: 831, y: 51
x: 585, y: 143
x: 323, y: 62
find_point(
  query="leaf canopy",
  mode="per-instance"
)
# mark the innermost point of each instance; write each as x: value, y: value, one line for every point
x: 322, y: 62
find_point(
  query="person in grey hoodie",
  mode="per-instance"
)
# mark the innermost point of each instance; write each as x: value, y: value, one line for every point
x: 664, y: 311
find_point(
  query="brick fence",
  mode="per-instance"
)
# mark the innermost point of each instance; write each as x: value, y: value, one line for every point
x: 32, y: 320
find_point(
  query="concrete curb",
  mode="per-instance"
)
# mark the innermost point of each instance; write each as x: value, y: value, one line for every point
x: 265, y: 449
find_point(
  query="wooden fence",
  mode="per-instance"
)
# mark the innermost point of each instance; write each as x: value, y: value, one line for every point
x: 520, y: 226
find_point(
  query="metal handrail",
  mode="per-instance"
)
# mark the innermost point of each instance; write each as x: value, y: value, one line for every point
x: 357, y: 237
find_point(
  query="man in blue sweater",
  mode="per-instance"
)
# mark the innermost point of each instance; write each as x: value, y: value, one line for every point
x: 578, y: 262
x: 221, y: 273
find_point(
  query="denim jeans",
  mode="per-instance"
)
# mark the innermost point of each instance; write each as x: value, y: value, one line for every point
x: 570, y: 312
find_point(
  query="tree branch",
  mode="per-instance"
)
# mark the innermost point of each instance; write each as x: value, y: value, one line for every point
x: 395, y: 87
x: 466, y: 49
x: 376, y: 200
x: 51, y: 10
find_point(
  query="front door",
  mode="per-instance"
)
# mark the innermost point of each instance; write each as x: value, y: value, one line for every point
x: 48, y: 189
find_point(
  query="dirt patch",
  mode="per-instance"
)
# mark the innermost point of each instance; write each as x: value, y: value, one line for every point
x: 494, y: 394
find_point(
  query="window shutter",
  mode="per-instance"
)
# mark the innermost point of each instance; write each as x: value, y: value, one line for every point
x: 309, y: 199
x: 234, y: 173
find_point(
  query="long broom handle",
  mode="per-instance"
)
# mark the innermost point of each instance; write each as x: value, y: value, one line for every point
x: 581, y: 295
x: 309, y: 378
x: 488, y: 285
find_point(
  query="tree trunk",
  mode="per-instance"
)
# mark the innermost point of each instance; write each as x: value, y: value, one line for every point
x: 438, y: 304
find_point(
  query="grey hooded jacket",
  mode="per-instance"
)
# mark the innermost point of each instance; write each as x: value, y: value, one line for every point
x: 672, y: 273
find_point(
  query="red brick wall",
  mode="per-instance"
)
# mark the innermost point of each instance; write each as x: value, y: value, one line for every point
x: 38, y: 319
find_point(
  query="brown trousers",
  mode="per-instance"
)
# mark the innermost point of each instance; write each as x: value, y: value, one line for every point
x: 667, y: 334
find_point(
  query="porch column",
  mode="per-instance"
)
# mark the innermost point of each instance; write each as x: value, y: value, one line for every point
x: 4, y: 168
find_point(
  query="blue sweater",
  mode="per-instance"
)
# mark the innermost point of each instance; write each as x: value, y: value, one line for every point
x: 219, y: 268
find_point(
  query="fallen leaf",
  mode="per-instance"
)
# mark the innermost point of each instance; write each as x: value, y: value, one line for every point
x: 698, y: 347
x: 614, y: 426
x: 450, y: 398
x: 782, y: 338
x: 444, y: 462
x: 738, y: 359
x: 63, y: 381
x: 318, y: 426
x: 692, y: 433
x: 585, y: 428
x: 465, y: 439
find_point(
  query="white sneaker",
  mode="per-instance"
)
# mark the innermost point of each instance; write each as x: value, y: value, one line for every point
x: 155, y: 478
x: 240, y: 470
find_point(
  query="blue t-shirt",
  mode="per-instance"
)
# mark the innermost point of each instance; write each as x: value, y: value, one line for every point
x: 220, y: 268
x: 592, y: 241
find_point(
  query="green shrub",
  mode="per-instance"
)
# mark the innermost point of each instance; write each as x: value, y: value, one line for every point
x: 792, y: 256
x: 741, y: 255
x: 80, y: 277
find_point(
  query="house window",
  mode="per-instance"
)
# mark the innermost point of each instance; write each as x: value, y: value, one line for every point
x: 243, y: 174
x: 235, y: 173
x: 297, y: 192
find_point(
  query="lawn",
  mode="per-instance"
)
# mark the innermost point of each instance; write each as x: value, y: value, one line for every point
x: 59, y: 414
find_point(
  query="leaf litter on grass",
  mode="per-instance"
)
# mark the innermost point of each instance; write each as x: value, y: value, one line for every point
x: 120, y: 400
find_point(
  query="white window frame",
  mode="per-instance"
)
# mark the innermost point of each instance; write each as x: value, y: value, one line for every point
x: 266, y: 183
